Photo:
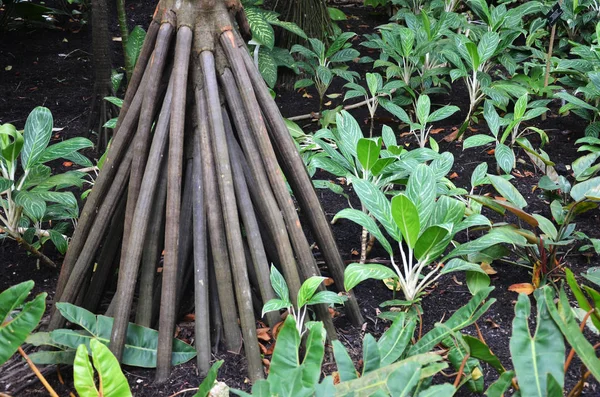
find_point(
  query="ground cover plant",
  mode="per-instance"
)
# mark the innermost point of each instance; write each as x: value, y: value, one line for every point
x: 438, y: 236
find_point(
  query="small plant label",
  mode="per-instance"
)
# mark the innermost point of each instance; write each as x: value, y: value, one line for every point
x: 554, y: 14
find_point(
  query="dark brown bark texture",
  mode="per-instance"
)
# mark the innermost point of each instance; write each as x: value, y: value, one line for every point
x: 199, y: 157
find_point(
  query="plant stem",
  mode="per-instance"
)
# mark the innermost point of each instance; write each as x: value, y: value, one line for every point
x: 37, y: 373
x: 122, y: 18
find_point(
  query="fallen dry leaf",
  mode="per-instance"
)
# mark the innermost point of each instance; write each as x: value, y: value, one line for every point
x: 306, y: 95
x: 336, y: 377
x: 67, y: 164
x: 328, y: 103
x: 354, y: 252
x: 528, y: 173
x: 456, y: 281
x: 267, y: 364
x: 263, y: 334
x: 453, y: 175
x: 491, y: 151
x: 405, y: 134
x: 522, y: 288
x: 452, y: 135
x: 276, y: 328
x: 518, y: 174
x: 328, y: 281
x: 492, y: 323
x: 500, y: 198
x: 189, y: 317
x: 437, y: 130
x: 488, y: 269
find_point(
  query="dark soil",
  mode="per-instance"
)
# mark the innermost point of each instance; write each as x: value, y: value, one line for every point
x: 53, y: 68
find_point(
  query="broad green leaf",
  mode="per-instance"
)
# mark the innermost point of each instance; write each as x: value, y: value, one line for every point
x: 593, y: 275
x: 423, y: 109
x: 487, y: 46
x: 262, y: 32
x: 33, y: 205
x: 395, y: 340
x: 508, y: 191
x: 275, y: 305
x: 481, y: 351
x: 442, y: 113
x: 539, y: 354
x: 505, y: 157
x: 520, y: 107
x: 134, y: 44
x: 315, y: 350
x: 563, y: 317
x: 421, y: 190
x: 11, y: 142
x: 579, y: 191
x: 344, y: 363
x: 308, y: 289
x: 444, y: 390
x: 368, y: 223
x: 83, y: 374
x: 37, y: 133
x: 389, y: 137
x: 267, y: 66
x: 460, y: 265
x: 111, y: 379
x: 356, y: 273
x: 546, y: 226
x: 500, y: 386
x: 350, y: 134
x: 14, y: 330
x: 285, y: 357
x: 476, y: 281
x: 406, y: 217
x: 396, y: 111
x: 208, y: 382
x: 279, y: 285
x: 367, y: 152
x: 53, y: 357
x: 462, y: 318
x: 431, y: 243
x: 581, y: 298
x: 374, y: 82
x: 327, y: 297
x: 336, y: 14
x: 478, y: 177
x: 377, y: 205
x: 371, y: 356
x: 404, y: 379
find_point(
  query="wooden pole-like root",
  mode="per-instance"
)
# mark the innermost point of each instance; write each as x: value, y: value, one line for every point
x: 166, y: 325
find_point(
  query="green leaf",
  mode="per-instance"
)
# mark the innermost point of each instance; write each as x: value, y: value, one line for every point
x: 476, y: 281
x: 368, y: 223
x: 481, y: 351
x: 64, y: 148
x: 579, y: 191
x: 135, y: 43
x: 356, y: 273
x: 285, y: 358
x: 460, y: 265
x: 535, y: 356
x: 501, y: 386
x: 406, y: 217
x: 327, y: 297
x: 83, y: 374
x: 315, y: 351
x: 520, y: 107
x: 208, y: 382
x: 444, y: 390
x: 53, y: 357
x: 442, y: 113
x: 546, y: 226
x: 11, y: 142
x: 262, y: 32
x: 431, y: 243
x: 423, y: 109
x: 275, y: 305
x: 563, y: 317
x: 350, y: 134
x: 508, y: 191
x: 593, y: 275
x: 487, y: 46
x: 140, y: 344
x: 267, y: 66
x: 462, y: 318
x: 371, y: 357
x: 37, y: 133
x: 367, y: 152
x: 111, y: 379
x: 421, y: 190
x: 344, y: 362
x: 279, y: 285
x: 33, y: 205
x: 505, y: 157
x: 404, y: 379
x: 336, y: 14
x: 14, y: 328
x: 395, y: 340
x: 378, y: 205
x: 308, y: 288
x: 374, y: 82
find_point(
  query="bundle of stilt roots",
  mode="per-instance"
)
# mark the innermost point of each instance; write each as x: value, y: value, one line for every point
x: 193, y: 185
